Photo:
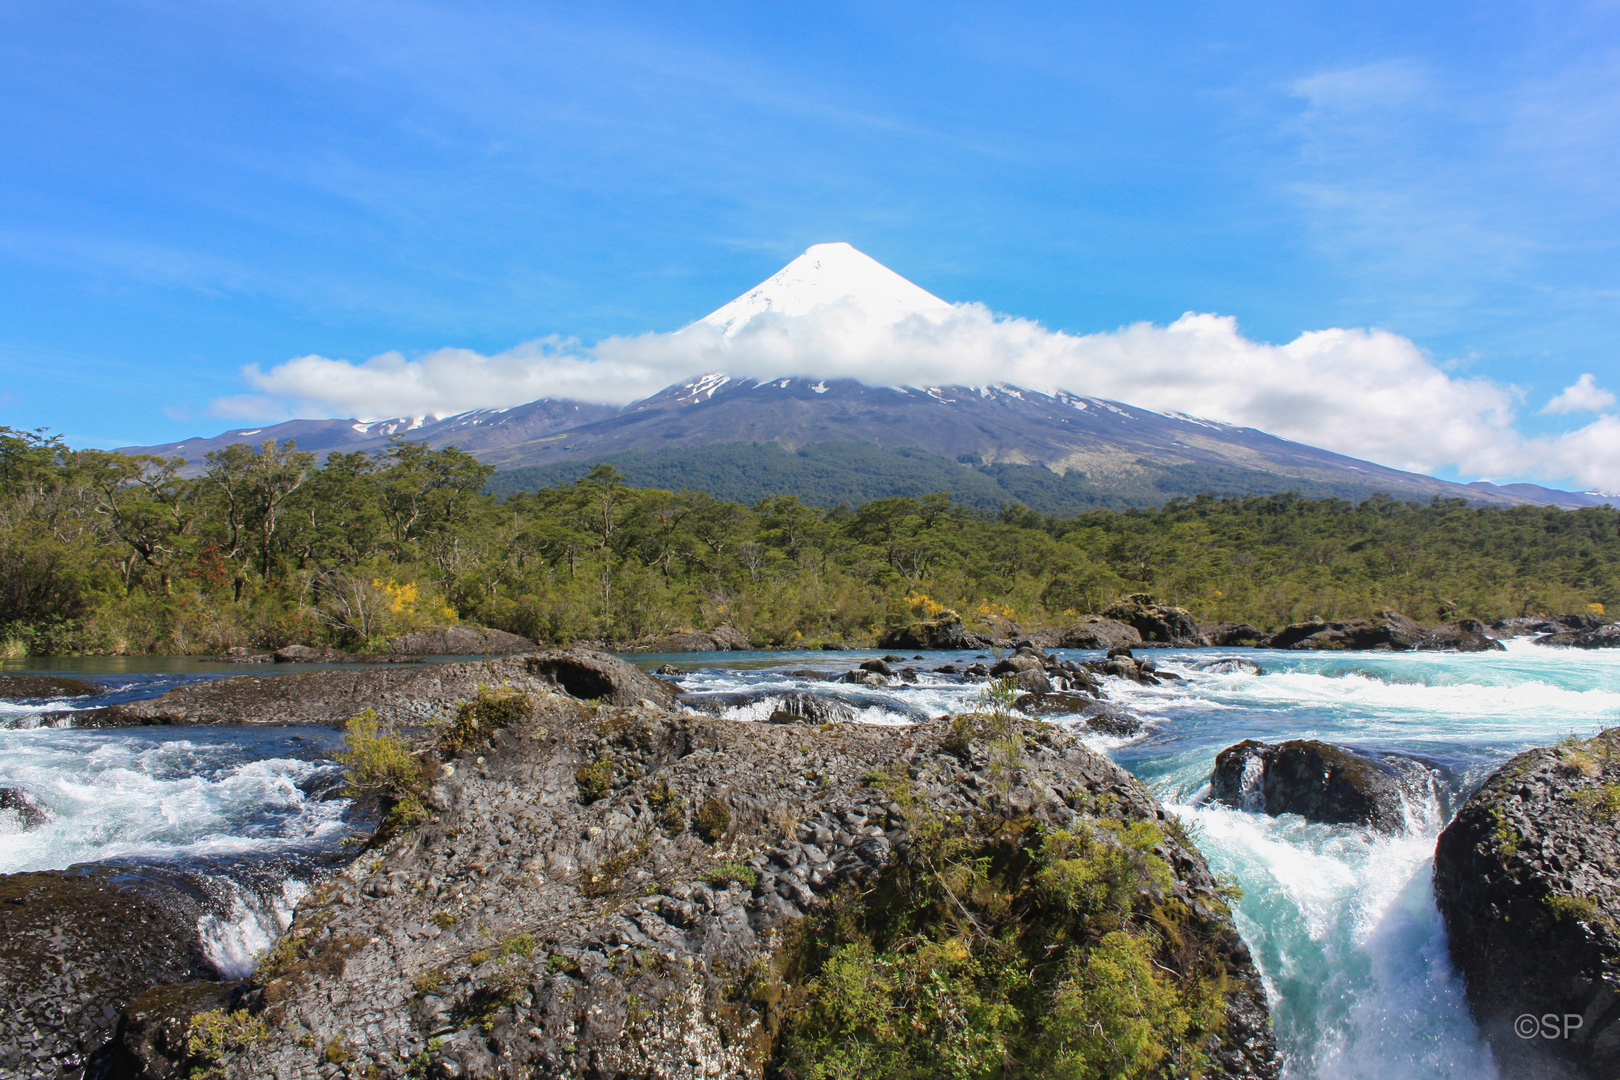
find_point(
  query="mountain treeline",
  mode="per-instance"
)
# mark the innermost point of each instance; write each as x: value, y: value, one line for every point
x: 103, y: 552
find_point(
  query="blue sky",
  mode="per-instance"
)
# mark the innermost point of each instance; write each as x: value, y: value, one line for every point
x: 189, y: 189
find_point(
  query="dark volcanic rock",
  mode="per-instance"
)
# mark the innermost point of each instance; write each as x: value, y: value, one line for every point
x: 944, y: 631
x: 1598, y: 637
x: 321, y: 654
x: 76, y: 946
x: 1097, y: 633
x: 532, y: 929
x: 1315, y: 780
x: 19, y: 802
x: 1098, y: 715
x: 458, y: 641
x: 1228, y: 666
x: 406, y: 695
x: 45, y: 686
x: 720, y: 639
x: 1228, y: 634
x: 1159, y: 624
x: 1527, y: 876
x: 1529, y: 625
x: 1387, y: 630
x: 802, y: 708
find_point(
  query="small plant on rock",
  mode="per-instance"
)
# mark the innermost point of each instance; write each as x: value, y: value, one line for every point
x: 667, y: 804
x: 213, y: 1034
x: 728, y: 872
x: 712, y: 820
x: 596, y: 779
x: 478, y: 719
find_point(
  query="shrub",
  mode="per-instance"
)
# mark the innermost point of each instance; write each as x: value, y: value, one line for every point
x: 381, y: 765
x: 712, y: 820
x: 998, y: 948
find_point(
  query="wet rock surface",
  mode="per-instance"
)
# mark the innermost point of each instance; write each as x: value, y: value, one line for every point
x: 76, y: 947
x: 548, y: 926
x: 45, y: 686
x: 1597, y: 637
x: 24, y: 807
x: 1527, y: 877
x: 1316, y: 780
x: 405, y: 695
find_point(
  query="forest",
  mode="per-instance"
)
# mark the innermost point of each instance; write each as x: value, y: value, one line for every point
x: 102, y: 552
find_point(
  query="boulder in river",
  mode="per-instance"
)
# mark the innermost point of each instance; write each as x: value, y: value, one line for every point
x: 803, y: 708
x: 1098, y: 715
x: 1158, y: 624
x: 1388, y: 630
x: 29, y: 813
x: 1316, y: 780
x: 1598, y: 637
x: 647, y: 927
x: 458, y: 641
x: 45, y: 686
x: 1527, y: 876
x: 1531, y: 625
x: 941, y: 633
x: 1093, y: 632
x: 1229, y: 634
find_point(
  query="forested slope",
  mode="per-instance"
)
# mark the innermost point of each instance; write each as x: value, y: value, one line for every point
x: 105, y: 552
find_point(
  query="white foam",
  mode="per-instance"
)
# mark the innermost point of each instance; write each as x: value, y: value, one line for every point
x: 235, y: 941
x: 137, y: 795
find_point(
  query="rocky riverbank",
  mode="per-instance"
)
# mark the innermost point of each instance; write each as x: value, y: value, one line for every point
x: 608, y: 889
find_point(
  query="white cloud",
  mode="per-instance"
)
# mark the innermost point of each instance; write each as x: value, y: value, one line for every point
x: 1367, y: 393
x: 1584, y: 395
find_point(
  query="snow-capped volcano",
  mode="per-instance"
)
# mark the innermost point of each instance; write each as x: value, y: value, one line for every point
x: 826, y: 275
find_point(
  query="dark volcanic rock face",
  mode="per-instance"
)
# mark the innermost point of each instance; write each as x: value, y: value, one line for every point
x: 1527, y: 625
x: 1227, y: 634
x: 1313, y: 779
x: 604, y: 890
x: 412, y: 695
x: 1527, y: 877
x: 76, y: 946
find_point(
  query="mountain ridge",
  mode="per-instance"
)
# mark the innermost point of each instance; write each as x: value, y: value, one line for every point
x: 1110, y: 444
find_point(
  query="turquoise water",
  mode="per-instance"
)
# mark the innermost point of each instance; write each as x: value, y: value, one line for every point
x: 1341, y: 921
